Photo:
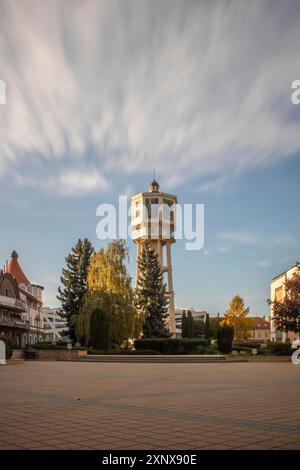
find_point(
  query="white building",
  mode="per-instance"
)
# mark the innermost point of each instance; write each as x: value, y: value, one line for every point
x: 278, y: 294
x: 54, y: 324
x: 196, y: 314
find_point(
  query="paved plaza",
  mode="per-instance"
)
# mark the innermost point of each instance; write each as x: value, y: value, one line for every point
x: 69, y: 405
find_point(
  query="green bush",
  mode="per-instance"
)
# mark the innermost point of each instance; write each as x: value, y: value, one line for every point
x: 246, y: 344
x: 277, y: 349
x: 224, y: 339
x: 171, y: 346
x: 242, y: 349
x: 8, y: 345
x: 206, y: 350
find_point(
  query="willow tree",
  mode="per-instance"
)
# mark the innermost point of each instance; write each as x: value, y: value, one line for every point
x: 109, y: 288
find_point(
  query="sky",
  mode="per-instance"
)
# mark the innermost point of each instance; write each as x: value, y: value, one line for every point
x: 98, y: 93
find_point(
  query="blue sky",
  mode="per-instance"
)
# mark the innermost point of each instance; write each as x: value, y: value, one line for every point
x: 103, y: 91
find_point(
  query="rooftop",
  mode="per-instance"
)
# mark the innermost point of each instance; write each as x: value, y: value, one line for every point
x: 15, y: 270
x: 284, y: 272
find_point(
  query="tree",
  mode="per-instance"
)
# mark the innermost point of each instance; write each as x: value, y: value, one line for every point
x: 109, y: 288
x: 286, y: 313
x: 99, y: 329
x: 189, y: 326
x: 150, y: 294
x: 199, y: 327
x: 225, y: 335
x: 207, y: 329
x: 236, y: 317
x: 214, y: 326
x: 183, y: 325
x: 74, y: 281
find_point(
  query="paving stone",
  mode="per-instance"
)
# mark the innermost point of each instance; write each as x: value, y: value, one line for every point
x: 149, y: 406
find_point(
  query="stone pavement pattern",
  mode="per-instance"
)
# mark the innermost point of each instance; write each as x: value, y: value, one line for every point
x: 69, y: 405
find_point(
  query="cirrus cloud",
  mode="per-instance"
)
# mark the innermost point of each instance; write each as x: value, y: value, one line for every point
x: 105, y: 88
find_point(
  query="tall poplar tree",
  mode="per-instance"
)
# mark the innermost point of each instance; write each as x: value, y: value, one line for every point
x: 74, y: 282
x: 150, y: 294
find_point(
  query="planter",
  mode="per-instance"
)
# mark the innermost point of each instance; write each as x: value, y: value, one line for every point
x: 58, y: 354
x: 17, y: 354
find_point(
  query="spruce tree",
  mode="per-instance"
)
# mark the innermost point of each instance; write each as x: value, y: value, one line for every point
x: 74, y: 281
x: 150, y: 294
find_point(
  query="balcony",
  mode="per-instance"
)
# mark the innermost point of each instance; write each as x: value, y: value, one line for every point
x: 10, y: 303
x: 12, y: 322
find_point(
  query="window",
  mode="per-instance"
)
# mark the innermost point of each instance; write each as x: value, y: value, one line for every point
x: 152, y: 207
x: 168, y: 212
x: 279, y: 294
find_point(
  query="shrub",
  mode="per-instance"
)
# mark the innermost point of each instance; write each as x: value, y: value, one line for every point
x: 247, y: 344
x: 277, y: 349
x: 171, y: 346
x: 243, y: 349
x: 206, y: 350
x: 8, y: 345
x: 224, y: 339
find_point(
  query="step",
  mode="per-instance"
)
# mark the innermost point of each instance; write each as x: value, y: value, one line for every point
x: 153, y: 359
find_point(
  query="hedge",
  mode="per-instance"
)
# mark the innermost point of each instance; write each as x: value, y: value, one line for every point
x: 54, y: 347
x: 8, y: 345
x: 242, y: 349
x: 246, y: 344
x: 171, y: 346
x: 277, y: 349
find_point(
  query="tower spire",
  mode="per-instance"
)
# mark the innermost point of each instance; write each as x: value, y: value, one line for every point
x: 153, y: 186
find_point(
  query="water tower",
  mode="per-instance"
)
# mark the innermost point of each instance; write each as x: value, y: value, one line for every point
x: 153, y: 218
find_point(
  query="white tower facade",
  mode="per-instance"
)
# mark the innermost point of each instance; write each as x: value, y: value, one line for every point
x: 153, y: 215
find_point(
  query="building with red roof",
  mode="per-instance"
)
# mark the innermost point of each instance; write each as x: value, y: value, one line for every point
x: 20, y: 305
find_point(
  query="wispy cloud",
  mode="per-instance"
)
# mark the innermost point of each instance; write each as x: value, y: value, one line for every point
x: 262, y: 263
x: 253, y: 238
x: 117, y: 87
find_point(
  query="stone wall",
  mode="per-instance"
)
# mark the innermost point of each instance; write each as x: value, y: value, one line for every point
x: 59, y: 354
x: 17, y: 354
